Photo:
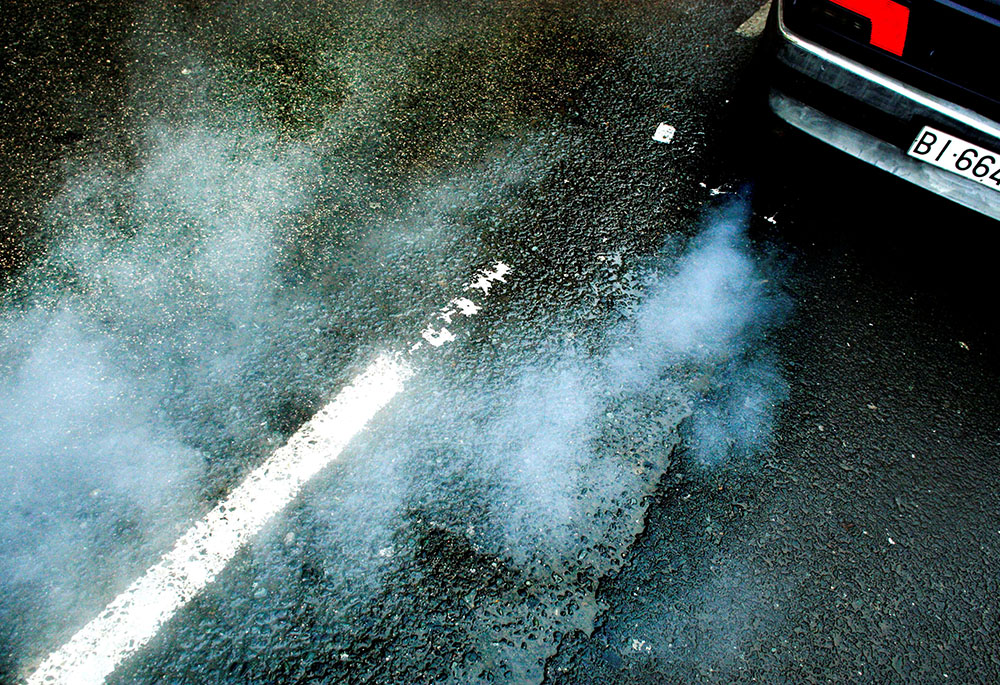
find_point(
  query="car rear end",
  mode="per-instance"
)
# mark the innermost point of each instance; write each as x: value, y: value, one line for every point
x: 910, y: 86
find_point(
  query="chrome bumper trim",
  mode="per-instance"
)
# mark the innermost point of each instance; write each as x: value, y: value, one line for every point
x: 885, y: 156
x: 871, y: 86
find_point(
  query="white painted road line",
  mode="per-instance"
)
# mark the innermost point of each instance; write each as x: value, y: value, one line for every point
x: 754, y: 26
x: 135, y: 616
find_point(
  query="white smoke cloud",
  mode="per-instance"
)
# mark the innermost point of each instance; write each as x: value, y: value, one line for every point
x: 128, y: 362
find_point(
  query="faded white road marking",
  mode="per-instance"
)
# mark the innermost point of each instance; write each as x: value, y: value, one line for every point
x: 437, y: 338
x: 484, y: 281
x: 465, y: 306
x: 203, y: 551
x: 664, y: 133
x: 754, y: 26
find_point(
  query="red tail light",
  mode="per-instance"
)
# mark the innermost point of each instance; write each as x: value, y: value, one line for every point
x: 889, y: 21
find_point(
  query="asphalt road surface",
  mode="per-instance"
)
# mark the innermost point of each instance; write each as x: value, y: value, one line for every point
x: 719, y: 407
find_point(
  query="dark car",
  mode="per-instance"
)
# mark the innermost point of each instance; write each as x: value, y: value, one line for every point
x: 910, y: 86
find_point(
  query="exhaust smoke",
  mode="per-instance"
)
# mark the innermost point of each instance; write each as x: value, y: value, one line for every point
x: 199, y: 301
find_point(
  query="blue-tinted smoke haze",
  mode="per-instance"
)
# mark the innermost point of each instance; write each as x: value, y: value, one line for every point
x: 525, y: 455
x: 712, y: 309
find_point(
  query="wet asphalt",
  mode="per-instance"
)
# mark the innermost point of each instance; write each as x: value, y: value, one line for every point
x: 299, y: 185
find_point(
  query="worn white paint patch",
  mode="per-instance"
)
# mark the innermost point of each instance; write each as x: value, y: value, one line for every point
x: 203, y: 551
x: 466, y: 306
x: 437, y: 337
x: 664, y: 133
x: 483, y: 281
x: 754, y: 26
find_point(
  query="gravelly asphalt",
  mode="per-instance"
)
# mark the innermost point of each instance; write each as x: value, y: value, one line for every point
x: 857, y: 542
x: 863, y: 546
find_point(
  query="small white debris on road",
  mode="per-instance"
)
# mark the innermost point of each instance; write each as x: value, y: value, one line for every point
x: 641, y: 646
x: 664, y: 133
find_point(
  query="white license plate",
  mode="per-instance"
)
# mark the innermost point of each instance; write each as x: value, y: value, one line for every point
x: 957, y: 156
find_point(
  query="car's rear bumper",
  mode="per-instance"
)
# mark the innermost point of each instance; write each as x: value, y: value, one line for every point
x: 874, y: 117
